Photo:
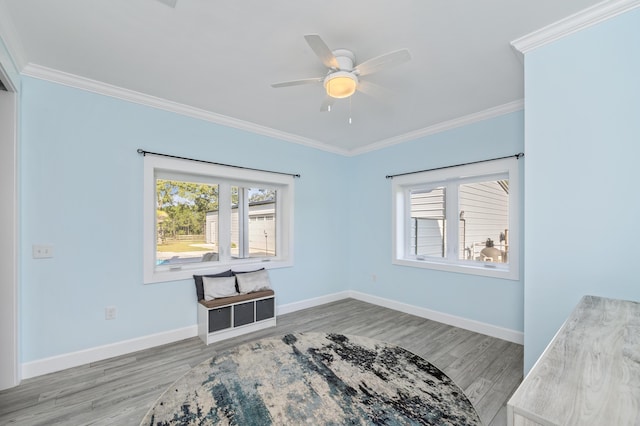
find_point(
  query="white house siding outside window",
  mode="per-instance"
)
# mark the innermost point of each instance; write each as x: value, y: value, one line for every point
x: 460, y: 219
x: 260, y: 224
x: 203, y: 218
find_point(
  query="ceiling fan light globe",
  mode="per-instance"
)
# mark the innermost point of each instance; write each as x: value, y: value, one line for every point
x: 341, y: 84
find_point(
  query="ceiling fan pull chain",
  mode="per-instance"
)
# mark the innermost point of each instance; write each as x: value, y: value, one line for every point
x: 350, y: 121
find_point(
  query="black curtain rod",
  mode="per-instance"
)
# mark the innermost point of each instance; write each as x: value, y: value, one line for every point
x: 143, y: 152
x: 518, y: 156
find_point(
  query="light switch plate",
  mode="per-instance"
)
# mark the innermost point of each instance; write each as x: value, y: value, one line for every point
x: 110, y: 313
x: 42, y: 251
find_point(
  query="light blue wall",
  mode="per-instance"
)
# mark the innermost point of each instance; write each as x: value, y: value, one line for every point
x: 81, y: 181
x: 494, y: 301
x: 581, y: 183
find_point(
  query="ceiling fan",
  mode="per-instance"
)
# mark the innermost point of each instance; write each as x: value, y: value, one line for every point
x: 343, y: 75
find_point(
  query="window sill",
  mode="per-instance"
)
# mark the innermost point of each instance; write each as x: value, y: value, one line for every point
x: 484, y: 269
x: 187, y: 271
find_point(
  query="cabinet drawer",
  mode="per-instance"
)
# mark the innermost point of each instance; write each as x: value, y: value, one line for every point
x: 264, y: 309
x: 243, y: 314
x: 219, y: 318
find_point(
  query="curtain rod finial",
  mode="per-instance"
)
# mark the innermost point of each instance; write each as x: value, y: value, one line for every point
x: 141, y: 151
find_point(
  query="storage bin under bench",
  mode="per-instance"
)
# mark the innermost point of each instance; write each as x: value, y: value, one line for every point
x: 226, y: 317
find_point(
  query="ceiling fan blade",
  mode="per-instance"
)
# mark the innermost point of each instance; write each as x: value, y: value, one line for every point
x: 383, y: 61
x: 298, y: 82
x: 322, y: 50
x: 170, y: 3
x: 379, y: 98
x: 374, y: 90
x: 327, y: 103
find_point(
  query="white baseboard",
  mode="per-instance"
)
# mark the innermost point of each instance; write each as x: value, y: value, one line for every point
x: 310, y: 303
x: 98, y: 353
x: 86, y: 356
x: 468, y: 324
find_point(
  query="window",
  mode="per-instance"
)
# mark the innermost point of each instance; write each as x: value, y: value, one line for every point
x: 460, y: 219
x: 202, y: 218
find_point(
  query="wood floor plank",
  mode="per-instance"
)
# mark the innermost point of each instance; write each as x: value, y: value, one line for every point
x: 474, y: 364
x: 120, y: 390
x: 500, y: 418
x: 466, y: 349
x: 478, y: 389
x: 506, y: 375
x: 495, y: 382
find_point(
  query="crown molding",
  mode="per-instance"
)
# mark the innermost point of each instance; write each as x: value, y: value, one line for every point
x: 75, y: 81
x: 78, y: 82
x: 573, y: 23
x: 444, y: 126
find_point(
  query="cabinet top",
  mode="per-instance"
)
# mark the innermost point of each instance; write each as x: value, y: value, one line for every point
x: 590, y: 372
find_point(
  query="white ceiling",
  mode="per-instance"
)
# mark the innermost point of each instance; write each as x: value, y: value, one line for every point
x: 221, y: 56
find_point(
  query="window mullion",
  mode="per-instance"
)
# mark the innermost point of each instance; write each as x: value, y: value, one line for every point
x: 451, y: 214
x: 280, y: 214
x: 224, y: 218
x: 243, y: 221
x: 406, y: 214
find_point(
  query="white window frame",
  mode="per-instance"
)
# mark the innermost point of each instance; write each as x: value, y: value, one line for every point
x: 451, y: 177
x: 225, y: 177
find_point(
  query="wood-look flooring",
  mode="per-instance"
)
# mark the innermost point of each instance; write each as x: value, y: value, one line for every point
x: 120, y: 390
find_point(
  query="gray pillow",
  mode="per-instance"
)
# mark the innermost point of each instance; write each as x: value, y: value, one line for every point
x: 198, y: 281
x: 217, y: 287
x: 253, y: 281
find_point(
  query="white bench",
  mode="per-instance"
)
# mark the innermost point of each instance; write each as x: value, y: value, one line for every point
x: 227, y: 317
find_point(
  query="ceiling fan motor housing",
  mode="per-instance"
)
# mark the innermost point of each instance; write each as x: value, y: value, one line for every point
x: 345, y: 59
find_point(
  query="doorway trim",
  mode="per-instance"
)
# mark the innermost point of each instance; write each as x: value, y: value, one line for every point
x: 9, y: 341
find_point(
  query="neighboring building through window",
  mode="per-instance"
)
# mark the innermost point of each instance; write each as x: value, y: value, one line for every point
x: 259, y: 238
x: 203, y: 218
x: 461, y: 219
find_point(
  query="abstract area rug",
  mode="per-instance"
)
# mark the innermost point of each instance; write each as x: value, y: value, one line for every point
x: 315, y: 379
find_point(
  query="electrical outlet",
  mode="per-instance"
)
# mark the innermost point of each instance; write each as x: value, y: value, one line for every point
x: 110, y: 312
x: 42, y: 251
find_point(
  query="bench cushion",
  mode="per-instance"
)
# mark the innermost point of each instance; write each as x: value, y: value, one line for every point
x: 235, y: 299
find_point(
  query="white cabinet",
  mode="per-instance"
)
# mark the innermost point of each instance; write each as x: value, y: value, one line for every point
x: 233, y: 316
